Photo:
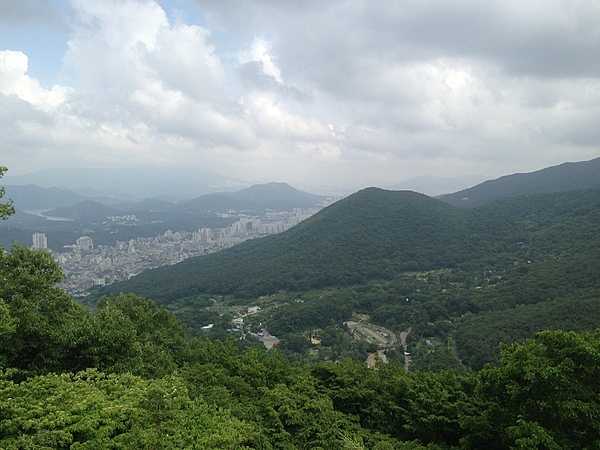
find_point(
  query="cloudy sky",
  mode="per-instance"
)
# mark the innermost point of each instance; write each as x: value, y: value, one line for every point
x: 322, y: 94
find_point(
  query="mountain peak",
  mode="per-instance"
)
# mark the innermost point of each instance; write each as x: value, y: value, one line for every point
x: 274, y: 195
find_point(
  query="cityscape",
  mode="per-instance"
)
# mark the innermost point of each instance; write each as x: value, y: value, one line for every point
x: 86, y: 266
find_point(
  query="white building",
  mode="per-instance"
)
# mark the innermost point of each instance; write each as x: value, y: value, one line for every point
x: 85, y: 243
x: 40, y: 241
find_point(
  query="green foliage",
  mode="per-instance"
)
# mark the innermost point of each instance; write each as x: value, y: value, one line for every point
x: 134, y: 334
x: 6, y: 208
x: 42, y: 329
x: 92, y: 410
x: 159, y: 388
x: 545, y: 393
x: 479, y: 336
x: 432, y: 355
x: 48, y: 328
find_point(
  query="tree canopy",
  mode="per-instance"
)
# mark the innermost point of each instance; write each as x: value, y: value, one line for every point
x: 128, y: 375
x: 6, y: 208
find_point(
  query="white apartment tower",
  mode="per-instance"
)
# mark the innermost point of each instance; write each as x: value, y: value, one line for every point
x: 85, y: 243
x: 40, y: 241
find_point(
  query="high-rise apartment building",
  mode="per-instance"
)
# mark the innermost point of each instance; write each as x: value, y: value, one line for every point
x: 85, y: 243
x: 40, y: 241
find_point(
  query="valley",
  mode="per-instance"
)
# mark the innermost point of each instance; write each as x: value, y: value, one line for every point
x: 451, y: 284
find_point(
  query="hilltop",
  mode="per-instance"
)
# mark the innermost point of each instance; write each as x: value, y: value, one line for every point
x: 259, y: 197
x: 372, y: 233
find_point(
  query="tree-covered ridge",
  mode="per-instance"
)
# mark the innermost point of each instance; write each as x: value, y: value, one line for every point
x: 367, y: 235
x: 6, y: 208
x: 376, y: 234
x: 129, y: 376
x: 572, y: 176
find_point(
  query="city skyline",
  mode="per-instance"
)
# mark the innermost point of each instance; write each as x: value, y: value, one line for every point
x: 87, y: 265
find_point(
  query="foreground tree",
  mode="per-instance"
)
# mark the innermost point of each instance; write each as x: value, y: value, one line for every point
x: 6, y: 208
x: 544, y: 394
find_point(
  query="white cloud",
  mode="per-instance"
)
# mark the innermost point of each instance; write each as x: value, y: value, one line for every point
x: 14, y: 80
x: 347, y: 92
x: 260, y: 52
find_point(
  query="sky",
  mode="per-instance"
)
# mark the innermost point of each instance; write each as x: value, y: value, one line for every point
x: 325, y: 95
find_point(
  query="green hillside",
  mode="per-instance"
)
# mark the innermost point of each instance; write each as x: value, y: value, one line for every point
x: 378, y: 234
x: 371, y: 234
x: 564, y: 177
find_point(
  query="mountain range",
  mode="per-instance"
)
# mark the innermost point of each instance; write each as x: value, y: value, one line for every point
x: 31, y: 197
x: 375, y: 234
x: 465, y: 272
x: 67, y: 214
x: 254, y: 199
x: 565, y: 177
x: 128, y: 183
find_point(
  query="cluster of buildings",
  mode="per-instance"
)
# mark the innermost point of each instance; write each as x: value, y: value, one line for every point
x: 86, y: 265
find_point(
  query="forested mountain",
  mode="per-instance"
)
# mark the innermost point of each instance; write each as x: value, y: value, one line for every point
x: 260, y: 197
x: 371, y: 234
x: 377, y: 234
x: 31, y: 197
x: 570, y: 176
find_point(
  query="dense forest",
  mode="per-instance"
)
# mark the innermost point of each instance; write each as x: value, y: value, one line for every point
x: 128, y: 375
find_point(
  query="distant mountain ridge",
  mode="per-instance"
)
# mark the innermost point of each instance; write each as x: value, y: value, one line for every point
x: 570, y: 176
x: 59, y: 202
x: 128, y: 183
x: 31, y: 197
x: 274, y: 196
